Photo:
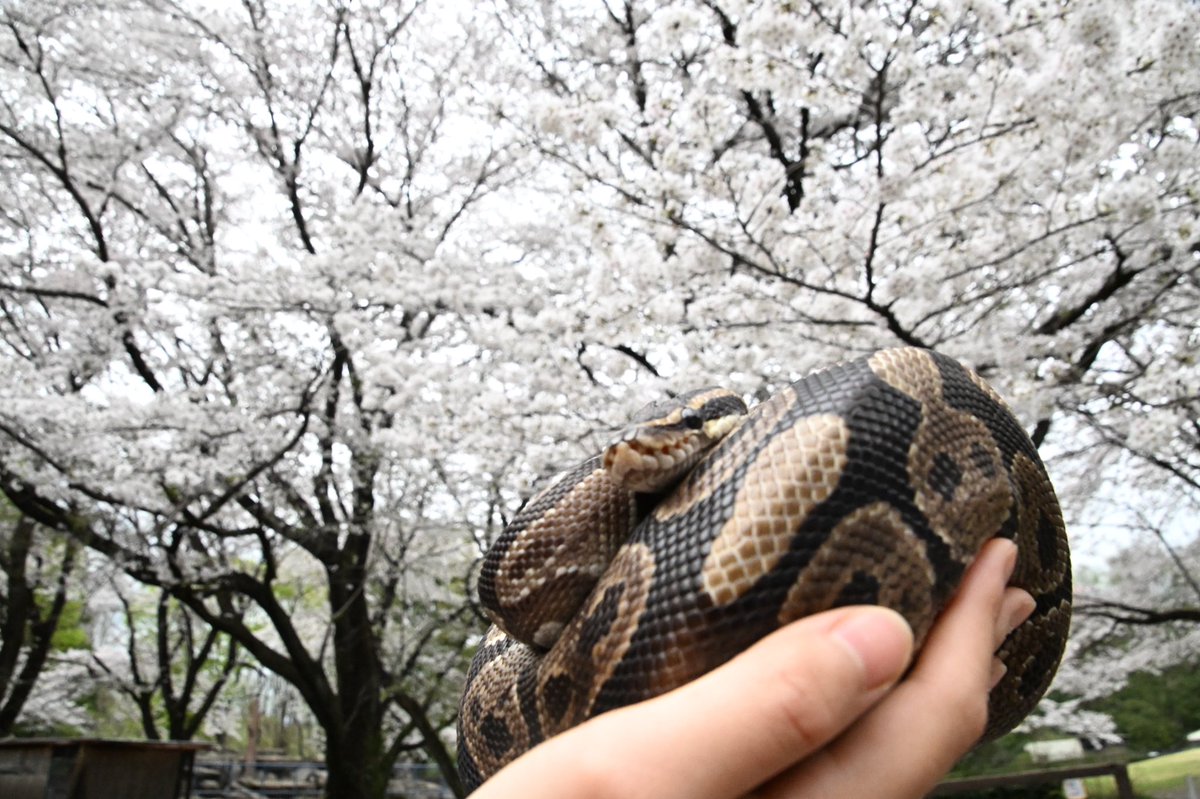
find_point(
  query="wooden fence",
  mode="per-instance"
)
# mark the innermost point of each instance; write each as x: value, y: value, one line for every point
x: 1117, y: 770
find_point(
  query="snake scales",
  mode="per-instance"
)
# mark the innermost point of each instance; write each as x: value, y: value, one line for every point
x: 875, y: 481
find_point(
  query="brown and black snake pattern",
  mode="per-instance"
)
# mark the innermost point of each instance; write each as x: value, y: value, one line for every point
x: 876, y: 482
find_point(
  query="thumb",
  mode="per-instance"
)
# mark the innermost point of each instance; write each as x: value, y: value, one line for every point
x: 734, y: 728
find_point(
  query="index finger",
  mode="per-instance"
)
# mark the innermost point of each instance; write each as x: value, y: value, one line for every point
x: 937, y: 713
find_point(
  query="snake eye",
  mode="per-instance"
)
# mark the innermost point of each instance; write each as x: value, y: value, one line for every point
x: 692, y: 419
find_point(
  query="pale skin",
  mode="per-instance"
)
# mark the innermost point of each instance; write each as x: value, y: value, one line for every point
x: 814, y: 710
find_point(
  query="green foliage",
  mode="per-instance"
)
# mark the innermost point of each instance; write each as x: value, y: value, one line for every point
x: 110, y: 716
x: 1006, y: 753
x: 70, y: 633
x: 1161, y: 776
x: 1047, y: 791
x: 1003, y: 755
x: 1155, y: 712
x: 42, y: 728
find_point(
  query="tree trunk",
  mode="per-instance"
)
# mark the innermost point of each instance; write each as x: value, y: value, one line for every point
x: 26, y: 623
x: 355, y: 755
x: 355, y: 765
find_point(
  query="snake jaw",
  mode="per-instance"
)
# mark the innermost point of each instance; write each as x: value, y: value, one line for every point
x: 669, y: 438
x: 648, y: 463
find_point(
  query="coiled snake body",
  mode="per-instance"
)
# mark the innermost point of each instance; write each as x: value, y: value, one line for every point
x: 874, y: 482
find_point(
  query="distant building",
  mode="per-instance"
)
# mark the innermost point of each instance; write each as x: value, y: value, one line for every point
x: 1056, y: 750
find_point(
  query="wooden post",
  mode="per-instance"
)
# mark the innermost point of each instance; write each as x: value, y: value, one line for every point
x: 253, y: 731
x: 1124, y: 786
x: 1117, y: 771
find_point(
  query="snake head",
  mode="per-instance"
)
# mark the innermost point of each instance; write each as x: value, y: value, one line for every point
x: 667, y: 438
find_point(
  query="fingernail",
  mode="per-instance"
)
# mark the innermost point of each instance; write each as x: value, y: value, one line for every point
x: 881, y: 641
x: 1010, y: 557
x: 1015, y: 608
x: 998, y: 672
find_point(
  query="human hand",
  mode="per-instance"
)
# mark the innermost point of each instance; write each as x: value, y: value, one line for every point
x: 812, y: 710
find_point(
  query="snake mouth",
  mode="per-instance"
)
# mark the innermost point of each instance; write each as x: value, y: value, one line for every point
x: 650, y: 462
x: 656, y: 451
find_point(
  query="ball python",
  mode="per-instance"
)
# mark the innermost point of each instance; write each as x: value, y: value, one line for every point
x: 704, y: 527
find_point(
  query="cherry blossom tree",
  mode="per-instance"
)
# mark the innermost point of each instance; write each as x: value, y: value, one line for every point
x: 35, y: 582
x: 168, y: 664
x: 1010, y: 182
x: 234, y: 293
x: 297, y: 303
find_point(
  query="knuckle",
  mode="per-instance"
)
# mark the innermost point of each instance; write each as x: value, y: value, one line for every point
x: 972, y: 714
x: 808, y: 717
x: 599, y: 769
x: 596, y: 775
